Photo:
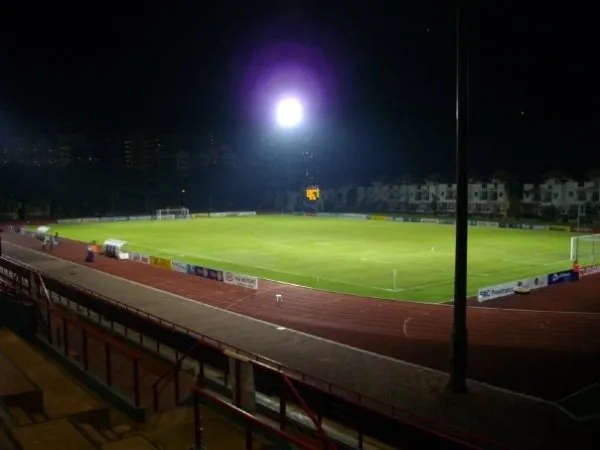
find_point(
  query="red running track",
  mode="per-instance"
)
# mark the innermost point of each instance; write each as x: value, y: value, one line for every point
x: 544, y: 353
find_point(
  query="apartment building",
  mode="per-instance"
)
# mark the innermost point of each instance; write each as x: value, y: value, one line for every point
x: 566, y: 196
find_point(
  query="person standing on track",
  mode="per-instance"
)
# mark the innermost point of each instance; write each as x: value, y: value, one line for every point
x: 576, y: 269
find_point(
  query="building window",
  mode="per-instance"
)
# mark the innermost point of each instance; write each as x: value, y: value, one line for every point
x: 571, y: 194
x: 555, y: 195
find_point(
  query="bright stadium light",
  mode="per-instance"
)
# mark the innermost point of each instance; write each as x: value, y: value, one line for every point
x: 289, y: 113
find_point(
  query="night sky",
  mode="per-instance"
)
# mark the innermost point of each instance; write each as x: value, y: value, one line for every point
x: 382, y: 73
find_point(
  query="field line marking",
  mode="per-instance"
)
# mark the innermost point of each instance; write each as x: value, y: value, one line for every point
x: 522, y: 395
x: 287, y: 272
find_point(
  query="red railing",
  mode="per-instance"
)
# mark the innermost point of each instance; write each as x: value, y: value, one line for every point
x: 172, y: 371
x: 316, y: 422
x: 249, y: 422
x: 65, y: 321
x: 468, y: 438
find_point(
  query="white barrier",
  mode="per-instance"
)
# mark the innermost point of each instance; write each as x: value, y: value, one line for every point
x: 237, y: 279
x: 140, y: 217
x: 233, y: 214
x: 590, y: 270
x: 180, y: 267
x: 480, y: 223
x: 506, y: 289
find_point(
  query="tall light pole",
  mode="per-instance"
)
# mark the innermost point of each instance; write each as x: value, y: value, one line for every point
x: 459, y: 355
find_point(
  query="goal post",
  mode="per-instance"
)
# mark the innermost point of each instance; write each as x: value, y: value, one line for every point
x: 172, y: 213
x: 585, y: 248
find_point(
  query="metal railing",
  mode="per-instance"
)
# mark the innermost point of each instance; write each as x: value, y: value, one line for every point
x: 60, y: 324
x: 409, y: 418
x: 251, y: 423
x: 163, y: 380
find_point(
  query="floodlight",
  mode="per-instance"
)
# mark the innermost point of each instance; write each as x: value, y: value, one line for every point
x: 289, y: 113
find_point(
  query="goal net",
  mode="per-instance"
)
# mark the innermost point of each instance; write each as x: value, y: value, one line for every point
x: 172, y: 213
x: 585, y: 248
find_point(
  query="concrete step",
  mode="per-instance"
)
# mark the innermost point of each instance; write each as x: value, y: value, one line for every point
x: 5, y: 441
x: 38, y: 417
x: 63, y: 397
x: 16, y: 388
x: 131, y: 443
x: 95, y: 436
x: 19, y: 416
x: 58, y: 434
x: 109, y: 434
x: 122, y: 430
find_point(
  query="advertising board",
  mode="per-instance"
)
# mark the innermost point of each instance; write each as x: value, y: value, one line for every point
x: 68, y: 221
x: 354, y: 216
x: 505, y: 289
x: 163, y: 263
x: 114, y: 219
x: 480, y: 223
x: 497, y: 291
x: 138, y: 257
x: 232, y: 214
x: 140, y: 217
x: 205, y: 272
x: 426, y: 220
x: 237, y: 279
x: 180, y: 267
x: 559, y: 228
x: 560, y: 277
x: 590, y: 270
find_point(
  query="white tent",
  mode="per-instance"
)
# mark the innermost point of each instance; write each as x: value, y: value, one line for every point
x: 42, y: 230
x: 114, y: 249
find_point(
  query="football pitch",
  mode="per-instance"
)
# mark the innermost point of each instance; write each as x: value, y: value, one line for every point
x: 342, y: 255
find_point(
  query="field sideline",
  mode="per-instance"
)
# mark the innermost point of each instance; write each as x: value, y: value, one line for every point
x: 342, y: 255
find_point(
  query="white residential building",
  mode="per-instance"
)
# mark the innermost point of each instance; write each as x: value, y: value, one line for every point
x: 565, y: 196
x: 492, y: 198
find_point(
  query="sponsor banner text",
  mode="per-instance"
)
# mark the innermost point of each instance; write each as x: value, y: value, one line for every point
x: 241, y: 280
x: 505, y: 289
x: 560, y: 277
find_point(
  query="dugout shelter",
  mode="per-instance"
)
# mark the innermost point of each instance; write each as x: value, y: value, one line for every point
x: 115, y: 248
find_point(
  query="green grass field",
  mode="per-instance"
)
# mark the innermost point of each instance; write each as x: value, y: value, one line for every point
x: 342, y: 255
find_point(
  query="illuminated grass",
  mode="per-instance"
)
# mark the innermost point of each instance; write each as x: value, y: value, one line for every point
x: 342, y: 255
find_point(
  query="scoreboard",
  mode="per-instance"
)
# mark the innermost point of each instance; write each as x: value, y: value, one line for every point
x: 312, y: 194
